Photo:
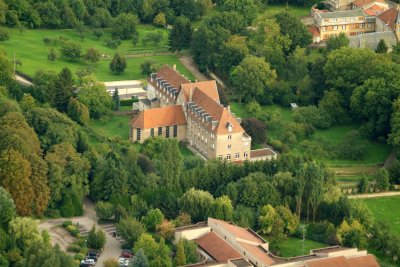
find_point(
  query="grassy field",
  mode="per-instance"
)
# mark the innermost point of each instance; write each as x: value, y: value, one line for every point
x: 299, y: 11
x: 31, y: 51
x: 386, y: 209
x: 293, y: 246
x: 118, y: 125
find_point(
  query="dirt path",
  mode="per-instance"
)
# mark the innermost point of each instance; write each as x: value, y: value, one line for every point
x: 112, y: 248
x: 192, y: 67
x: 374, y: 195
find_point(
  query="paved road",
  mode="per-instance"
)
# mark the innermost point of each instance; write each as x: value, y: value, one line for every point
x: 112, y: 248
x: 192, y: 67
x: 383, y: 194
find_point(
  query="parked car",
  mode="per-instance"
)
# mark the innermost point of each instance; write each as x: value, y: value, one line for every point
x: 89, y: 257
x: 94, y: 253
x: 88, y: 261
x: 84, y: 264
x: 126, y: 254
x: 122, y: 262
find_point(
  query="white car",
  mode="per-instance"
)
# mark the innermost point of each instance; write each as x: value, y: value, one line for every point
x: 122, y: 262
x: 88, y: 261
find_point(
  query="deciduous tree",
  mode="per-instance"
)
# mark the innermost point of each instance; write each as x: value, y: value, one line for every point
x: 251, y: 77
x: 130, y: 229
x: 124, y: 26
x: 181, y: 34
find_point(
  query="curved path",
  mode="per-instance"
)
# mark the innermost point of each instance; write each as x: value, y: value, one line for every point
x: 112, y: 248
x: 383, y: 194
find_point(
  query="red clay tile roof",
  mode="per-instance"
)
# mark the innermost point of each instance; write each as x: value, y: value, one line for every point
x: 208, y: 87
x: 239, y: 232
x: 363, y: 261
x: 159, y: 117
x: 361, y: 3
x: 217, y: 112
x: 172, y: 77
x: 217, y: 247
x: 313, y: 30
x: 374, y: 10
x: 258, y: 252
x: 328, y: 262
x: 359, y: 261
x: 261, y: 153
x: 389, y: 17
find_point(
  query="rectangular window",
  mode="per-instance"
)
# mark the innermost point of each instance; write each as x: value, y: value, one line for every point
x: 228, y: 157
x: 138, y: 134
x: 343, y: 27
x: 159, y: 131
x: 335, y: 28
x: 152, y: 132
x: 212, y: 146
x: 220, y: 157
x: 175, y: 130
x: 167, y: 132
x: 229, y: 146
x: 245, y: 154
x: 362, y: 25
x: 324, y: 29
x: 236, y: 155
x: 369, y: 25
x: 229, y: 137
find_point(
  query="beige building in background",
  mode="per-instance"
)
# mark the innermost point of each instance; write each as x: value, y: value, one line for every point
x: 193, y: 112
x: 350, y: 22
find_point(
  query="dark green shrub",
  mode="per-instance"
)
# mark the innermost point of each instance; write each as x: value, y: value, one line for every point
x: 66, y: 223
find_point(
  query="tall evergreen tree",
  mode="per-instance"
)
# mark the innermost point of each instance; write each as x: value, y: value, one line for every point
x: 118, y: 64
x: 117, y: 102
x: 64, y: 89
x: 180, y: 257
x: 382, y: 47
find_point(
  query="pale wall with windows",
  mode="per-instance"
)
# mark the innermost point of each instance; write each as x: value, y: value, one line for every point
x: 348, y: 29
x: 141, y: 135
x: 233, y: 147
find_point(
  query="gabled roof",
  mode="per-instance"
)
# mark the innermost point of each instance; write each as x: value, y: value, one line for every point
x: 361, y: 3
x: 389, y: 17
x: 170, y: 75
x: 239, y: 232
x: 374, y: 10
x: 159, y: 117
x: 363, y: 261
x: 217, y: 247
x: 208, y: 87
x: 258, y: 252
x: 217, y: 112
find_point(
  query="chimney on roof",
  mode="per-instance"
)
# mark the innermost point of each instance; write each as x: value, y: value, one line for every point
x: 190, y: 94
x: 174, y: 66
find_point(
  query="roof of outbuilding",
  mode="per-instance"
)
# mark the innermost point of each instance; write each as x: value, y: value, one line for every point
x: 361, y: 3
x: 159, y: 117
x: 258, y: 252
x: 341, y: 261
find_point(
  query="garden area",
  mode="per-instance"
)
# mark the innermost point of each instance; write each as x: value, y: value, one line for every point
x: 318, y: 144
x: 31, y: 51
x: 294, y: 246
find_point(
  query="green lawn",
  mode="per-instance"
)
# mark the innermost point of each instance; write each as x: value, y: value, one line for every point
x: 117, y: 125
x: 299, y: 11
x: 386, y: 209
x: 293, y: 246
x: 30, y: 50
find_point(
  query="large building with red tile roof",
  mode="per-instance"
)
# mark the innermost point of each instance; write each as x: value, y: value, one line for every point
x: 191, y: 111
x: 224, y: 244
